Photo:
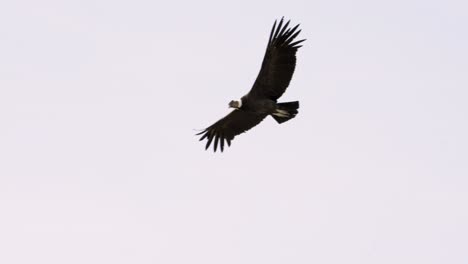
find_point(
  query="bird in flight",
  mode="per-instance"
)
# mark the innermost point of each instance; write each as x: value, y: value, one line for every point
x: 261, y: 101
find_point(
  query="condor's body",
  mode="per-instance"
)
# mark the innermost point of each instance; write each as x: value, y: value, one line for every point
x: 274, y: 77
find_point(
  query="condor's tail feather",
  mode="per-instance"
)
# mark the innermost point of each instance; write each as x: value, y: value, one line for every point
x: 285, y: 111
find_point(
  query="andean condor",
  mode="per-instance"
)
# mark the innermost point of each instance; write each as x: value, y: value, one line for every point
x: 274, y: 77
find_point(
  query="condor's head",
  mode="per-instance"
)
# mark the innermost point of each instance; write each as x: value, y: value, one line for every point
x: 235, y: 104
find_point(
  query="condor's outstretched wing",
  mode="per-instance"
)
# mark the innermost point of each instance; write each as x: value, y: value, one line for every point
x: 235, y: 123
x: 279, y: 62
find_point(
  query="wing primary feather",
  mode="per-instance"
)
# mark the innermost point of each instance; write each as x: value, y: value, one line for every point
x: 284, y: 29
x: 295, y: 27
x: 278, y: 30
x: 204, y: 135
x: 215, y: 144
x: 291, y: 32
x: 210, y: 138
x: 222, y: 143
x: 291, y: 38
x: 295, y: 43
x: 287, y: 33
x: 271, y: 33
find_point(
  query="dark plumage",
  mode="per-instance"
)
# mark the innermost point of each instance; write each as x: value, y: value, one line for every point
x: 274, y: 77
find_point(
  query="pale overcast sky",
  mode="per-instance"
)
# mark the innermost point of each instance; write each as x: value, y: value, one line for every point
x: 100, y: 101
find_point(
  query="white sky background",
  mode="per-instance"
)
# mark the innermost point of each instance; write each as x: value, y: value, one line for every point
x: 99, y: 102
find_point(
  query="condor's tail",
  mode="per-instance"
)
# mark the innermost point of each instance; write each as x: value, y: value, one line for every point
x: 285, y: 111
